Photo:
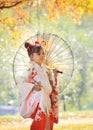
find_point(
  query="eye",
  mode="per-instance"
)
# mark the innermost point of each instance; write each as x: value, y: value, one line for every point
x: 38, y: 53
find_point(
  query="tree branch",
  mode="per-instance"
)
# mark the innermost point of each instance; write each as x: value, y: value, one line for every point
x: 3, y: 5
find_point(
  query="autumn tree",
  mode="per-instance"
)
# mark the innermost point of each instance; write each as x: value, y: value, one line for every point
x: 51, y: 8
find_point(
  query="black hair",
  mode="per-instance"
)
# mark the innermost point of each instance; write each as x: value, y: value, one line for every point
x: 32, y: 48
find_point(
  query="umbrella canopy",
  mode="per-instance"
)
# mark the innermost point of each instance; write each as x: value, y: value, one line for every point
x: 58, y: 54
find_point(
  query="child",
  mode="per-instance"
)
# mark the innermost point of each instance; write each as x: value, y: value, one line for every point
x: 38, y: 96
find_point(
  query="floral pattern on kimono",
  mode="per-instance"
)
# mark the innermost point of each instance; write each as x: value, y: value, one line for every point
x: 54, y: 97
x: 38, y: 105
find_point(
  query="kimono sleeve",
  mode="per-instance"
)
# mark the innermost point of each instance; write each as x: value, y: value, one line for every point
x: 26, y: 85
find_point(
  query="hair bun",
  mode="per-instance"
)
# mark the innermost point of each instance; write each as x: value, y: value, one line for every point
x: 27, y: 45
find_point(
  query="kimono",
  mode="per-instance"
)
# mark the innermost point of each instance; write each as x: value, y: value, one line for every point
x: 41, y: 106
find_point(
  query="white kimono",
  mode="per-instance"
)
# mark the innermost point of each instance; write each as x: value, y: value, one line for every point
x: 29, y: 98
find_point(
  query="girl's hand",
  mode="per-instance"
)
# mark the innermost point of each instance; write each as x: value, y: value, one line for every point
x: 37, y: 87
x: 55, y: 73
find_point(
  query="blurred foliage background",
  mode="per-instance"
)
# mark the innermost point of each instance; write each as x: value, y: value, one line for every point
x: 71, y: 20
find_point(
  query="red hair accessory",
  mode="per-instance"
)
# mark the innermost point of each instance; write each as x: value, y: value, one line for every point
x: 37, y: 43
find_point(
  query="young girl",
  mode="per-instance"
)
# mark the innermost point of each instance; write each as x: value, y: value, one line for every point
x: 38, y: 94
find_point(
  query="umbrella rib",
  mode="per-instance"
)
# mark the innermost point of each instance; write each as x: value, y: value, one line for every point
x: 22, y: 54
x: 52, y: 51
x: 19, y: 70
x: 55, y: 50
x: 32, y: 39
x: 47, y: 41
x: 60, y: 60
x: 51, y: 45
x: 23, y: 48
x: 59, y: 53
x: 20, y: 65
x: 60, y: 57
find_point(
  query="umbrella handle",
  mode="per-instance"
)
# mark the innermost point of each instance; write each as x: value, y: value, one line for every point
x: 60, y: 72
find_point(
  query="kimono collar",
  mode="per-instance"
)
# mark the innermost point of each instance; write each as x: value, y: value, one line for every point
x: 37, y: 65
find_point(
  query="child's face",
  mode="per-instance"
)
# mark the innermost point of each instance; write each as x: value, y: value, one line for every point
x: 38, y: 57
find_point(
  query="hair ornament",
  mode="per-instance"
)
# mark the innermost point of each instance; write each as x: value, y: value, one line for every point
x: 37, y: 43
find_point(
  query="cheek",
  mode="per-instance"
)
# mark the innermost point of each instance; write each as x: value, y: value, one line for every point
x: 37, y: 58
